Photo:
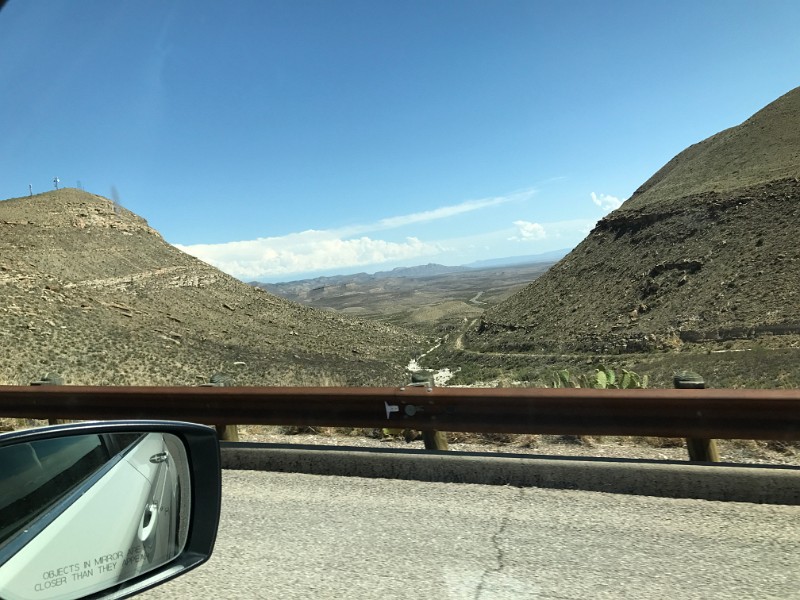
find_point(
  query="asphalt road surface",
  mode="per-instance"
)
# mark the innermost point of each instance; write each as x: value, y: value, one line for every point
x: 291, y: 536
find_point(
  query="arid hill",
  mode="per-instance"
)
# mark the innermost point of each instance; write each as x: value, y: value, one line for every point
x: 706, y: 251
x: 89, y: 291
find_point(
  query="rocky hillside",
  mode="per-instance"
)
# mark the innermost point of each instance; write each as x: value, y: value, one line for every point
x: 705, y: 252
x: 90, y: 291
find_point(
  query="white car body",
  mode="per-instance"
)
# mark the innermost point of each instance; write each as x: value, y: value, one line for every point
x: 65, y: 560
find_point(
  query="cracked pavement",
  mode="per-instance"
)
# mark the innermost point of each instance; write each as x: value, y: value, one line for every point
x: 294, y: 536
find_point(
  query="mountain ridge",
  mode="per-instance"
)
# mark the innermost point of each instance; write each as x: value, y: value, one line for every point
x: 89, y: 290
x: 704, y: 252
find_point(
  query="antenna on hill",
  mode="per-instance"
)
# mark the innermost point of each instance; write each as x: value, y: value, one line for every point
x: 55, y: 181
x: 115, y: 200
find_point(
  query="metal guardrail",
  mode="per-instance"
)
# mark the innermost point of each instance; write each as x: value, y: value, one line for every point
x: 689, y: 413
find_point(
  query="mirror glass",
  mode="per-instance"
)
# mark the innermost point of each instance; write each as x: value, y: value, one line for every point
x: 82, y: 513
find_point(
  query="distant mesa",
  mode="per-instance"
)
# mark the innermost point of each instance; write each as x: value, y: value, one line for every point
x: 705, y: 251
x: 511, y: 261
x: 317, y: 284
x: 429, y: 270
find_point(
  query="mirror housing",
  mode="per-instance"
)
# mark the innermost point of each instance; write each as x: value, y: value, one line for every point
x: 105, y: 510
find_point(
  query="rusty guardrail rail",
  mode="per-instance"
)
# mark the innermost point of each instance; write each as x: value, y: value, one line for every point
x: 698, y: 413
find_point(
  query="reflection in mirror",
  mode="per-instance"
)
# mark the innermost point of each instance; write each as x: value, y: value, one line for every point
x: 82, y: 513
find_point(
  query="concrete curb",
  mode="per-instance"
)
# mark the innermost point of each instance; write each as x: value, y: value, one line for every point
x: 669, y: 479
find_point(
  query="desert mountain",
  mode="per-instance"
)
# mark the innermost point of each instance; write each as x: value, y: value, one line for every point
x: 88, y: 290
x: 420, y: 271
x: 705, y: 251
x: 438, y: 300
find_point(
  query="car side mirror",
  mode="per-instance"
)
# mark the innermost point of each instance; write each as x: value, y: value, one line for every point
x: 105, y: 510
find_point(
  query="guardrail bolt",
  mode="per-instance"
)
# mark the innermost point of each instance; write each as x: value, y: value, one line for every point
x: 225, y: 433
x: 422, y: 377
x: 700, y: 449
x: 50, y: 379
x: 689, y: 380
x: 434, y: 440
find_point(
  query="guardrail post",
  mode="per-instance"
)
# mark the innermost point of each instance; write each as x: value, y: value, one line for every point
x: 700, y: 449
x: 225, y: 433
x: 50, y: 379
x: 434, y: 440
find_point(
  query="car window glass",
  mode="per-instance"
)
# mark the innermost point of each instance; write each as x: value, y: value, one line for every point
x: 84, y: 513
x: 39, y: 473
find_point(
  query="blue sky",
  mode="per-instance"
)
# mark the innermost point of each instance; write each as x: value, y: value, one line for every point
x: 284, y: 139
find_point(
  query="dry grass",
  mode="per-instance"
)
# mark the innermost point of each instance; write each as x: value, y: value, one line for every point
x: 99, y: 298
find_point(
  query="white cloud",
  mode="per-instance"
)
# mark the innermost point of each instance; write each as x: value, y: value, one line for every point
x: 445, y: 212
x: 333, y: 249
x: 528, y: 232
x: 305, y: 252
x: 606, y: 202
